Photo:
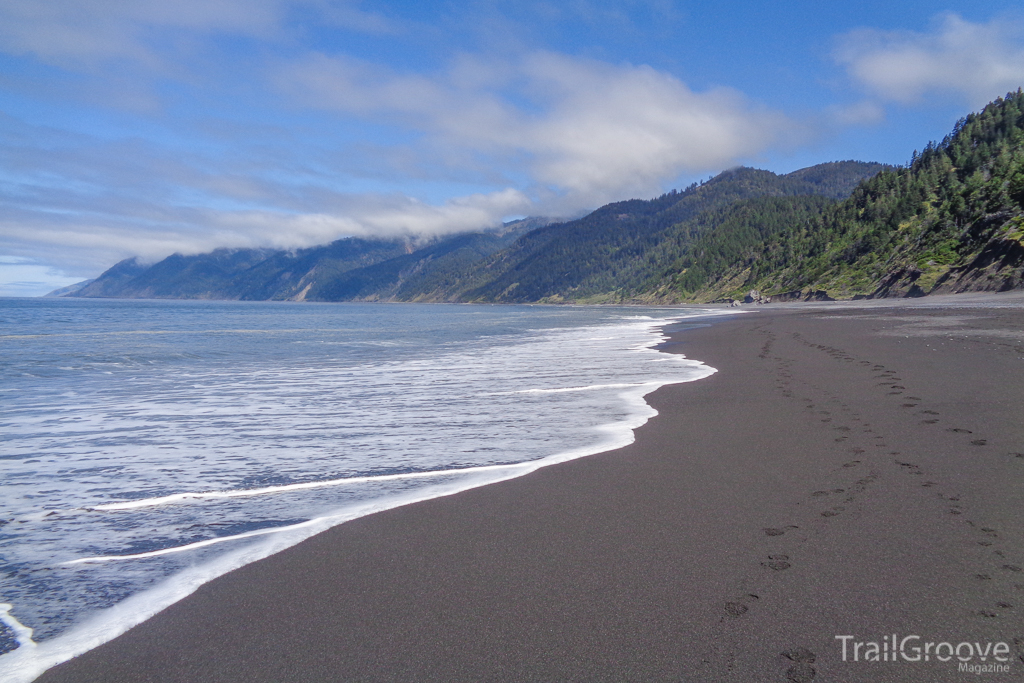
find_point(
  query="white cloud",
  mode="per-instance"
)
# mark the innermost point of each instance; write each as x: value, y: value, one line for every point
x: 86, y: 203
x: 975, y: 61
x: 84, y: 33
x: 97, y: 245
x: 615, y: 130
x: 382, y: 216
x: 587, y: 129
x: 533, y: 133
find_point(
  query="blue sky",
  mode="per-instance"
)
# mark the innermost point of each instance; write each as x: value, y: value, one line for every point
x: 144, y: 128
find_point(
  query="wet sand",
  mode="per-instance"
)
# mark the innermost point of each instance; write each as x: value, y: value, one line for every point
x: 849, y: 470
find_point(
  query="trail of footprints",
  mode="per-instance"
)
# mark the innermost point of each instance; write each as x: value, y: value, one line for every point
x: 891, y: 381
x: 835, y: 500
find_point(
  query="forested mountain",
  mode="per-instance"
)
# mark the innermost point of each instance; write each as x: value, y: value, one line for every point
x: 618, y: 251
x: 237, y: 273
x: 346, y: 269
x: 951, y: 220
x: 615, y: 253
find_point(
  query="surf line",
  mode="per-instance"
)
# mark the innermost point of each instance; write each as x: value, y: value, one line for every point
x: 241, y: 493
x: 190, y: 546
x: 589, y: 387
x: 22, y: 633
x: 273, y: 530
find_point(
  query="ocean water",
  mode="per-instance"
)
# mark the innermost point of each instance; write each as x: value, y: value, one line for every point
x: 149, y: 446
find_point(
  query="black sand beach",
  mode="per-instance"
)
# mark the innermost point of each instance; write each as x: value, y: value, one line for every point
x: 850, y: 470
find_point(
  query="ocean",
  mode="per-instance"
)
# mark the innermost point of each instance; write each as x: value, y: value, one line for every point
x: 147, y: 447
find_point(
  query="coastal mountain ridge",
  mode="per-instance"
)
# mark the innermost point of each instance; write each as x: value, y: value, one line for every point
x: 533, y: 259
x: 951, y: 220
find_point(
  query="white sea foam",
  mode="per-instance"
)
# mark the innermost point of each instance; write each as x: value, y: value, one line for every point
x: 22, y: 633
x: 243, y: 493
x: 592, y: 387
x: 203, y: 436
x: 24, y: 665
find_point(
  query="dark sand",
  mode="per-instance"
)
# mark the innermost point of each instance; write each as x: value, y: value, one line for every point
x: 849, y: 470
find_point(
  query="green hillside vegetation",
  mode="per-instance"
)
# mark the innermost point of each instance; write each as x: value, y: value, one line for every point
x: 347, y: 269
x: 615, y: 253
x: 742, y: 244
x: 950, y: 221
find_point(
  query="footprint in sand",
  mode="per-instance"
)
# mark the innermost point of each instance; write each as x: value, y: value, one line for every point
x: 852, y: 463
x: 736, y: 609
x: 861, y: 484
x: 741, y: 606
x: 801, y: 671
x: 777, y: 562
x: 979, y: 442
x: 958, y: 430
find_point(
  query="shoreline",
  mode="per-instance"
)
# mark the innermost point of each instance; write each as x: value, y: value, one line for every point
x: 28, y: 662
x: 643, y: 563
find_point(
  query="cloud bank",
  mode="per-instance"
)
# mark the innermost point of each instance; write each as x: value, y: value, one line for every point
x: 972, y: 61
x: 85, y: 34
x: 585, y: 130
x: 543, y: 133
x: 142, y: 128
